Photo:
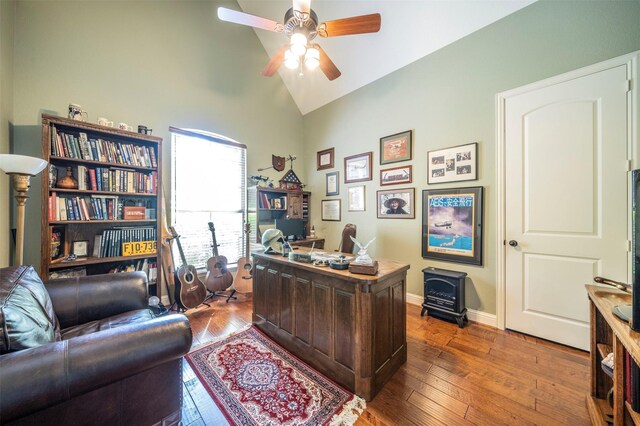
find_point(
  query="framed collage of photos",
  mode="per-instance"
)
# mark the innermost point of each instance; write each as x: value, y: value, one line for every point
x: 455, y: 164
x: 452, y: 224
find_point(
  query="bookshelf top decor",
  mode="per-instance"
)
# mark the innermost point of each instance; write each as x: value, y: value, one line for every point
x: 96, y: 128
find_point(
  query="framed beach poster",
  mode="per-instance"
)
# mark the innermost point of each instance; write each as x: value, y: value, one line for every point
x: 452, y: 225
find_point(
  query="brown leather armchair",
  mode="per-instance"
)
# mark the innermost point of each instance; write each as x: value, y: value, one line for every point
x: 109, y: 361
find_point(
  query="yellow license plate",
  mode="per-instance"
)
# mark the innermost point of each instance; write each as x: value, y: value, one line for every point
x: 139, y: 247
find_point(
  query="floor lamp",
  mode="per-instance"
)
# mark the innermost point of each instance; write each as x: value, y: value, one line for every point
x: 21, y: 168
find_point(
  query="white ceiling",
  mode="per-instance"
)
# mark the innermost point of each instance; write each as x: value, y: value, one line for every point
x: 411, y: 29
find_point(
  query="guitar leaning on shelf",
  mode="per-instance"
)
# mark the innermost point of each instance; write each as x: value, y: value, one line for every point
x: 218, y: 278
x: 190, y: 291
x: 243, y: 282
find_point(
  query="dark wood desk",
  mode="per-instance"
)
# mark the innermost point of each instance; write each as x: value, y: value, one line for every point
x: 308, y: 242
x: 350, y: 327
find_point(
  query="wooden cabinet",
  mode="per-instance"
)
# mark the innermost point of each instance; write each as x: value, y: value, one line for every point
x: 610, y: 334
x: 269, y: 204
x: 350, y: 327
x: 101, y: 200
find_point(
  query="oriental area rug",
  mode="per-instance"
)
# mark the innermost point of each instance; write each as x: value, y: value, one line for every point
x: 254, y: 381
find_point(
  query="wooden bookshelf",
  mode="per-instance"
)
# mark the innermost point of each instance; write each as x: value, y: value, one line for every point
x: 120, y: 168
x: 263, y: 201
x: 610, y: 334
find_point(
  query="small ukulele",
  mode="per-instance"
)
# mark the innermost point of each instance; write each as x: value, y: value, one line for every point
x: 243, y: 282
x: 218, y: 278
x: 190, y: 291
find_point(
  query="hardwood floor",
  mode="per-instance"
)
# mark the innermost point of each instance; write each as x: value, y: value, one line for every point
x: 476, y: 375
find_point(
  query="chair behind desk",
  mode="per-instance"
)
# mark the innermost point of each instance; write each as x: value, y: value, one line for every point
x: 346, y: 245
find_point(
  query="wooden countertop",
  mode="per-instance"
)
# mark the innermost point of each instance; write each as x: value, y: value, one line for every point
x: 386, y: 267
x: 606, y: 299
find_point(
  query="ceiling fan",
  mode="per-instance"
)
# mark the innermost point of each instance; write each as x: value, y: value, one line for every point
x: 301, y: 26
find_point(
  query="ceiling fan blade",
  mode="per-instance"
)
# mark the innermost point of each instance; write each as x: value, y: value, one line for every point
x: 347, y: 26
x: 274, y: 63
x: 242, y: 18
x: 327, y: 66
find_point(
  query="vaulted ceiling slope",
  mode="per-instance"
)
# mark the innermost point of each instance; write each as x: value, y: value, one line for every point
x: 411, y: 29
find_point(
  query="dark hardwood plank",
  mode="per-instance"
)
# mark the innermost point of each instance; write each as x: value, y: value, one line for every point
x: 475, y: 375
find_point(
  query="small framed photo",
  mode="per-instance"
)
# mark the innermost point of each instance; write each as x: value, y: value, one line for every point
x: 452, y: 225
x: 455, y: 164
x: 356, y: 199
x: 325, y: 159
x: 331, y: 210
x: 332, y: 184
x: 395, y: 175
x: 357, y: 168
x: 397, y: 204
x: 396, y: 147
x: 80, y: 248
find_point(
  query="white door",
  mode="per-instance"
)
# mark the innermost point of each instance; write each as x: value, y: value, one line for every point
x: 566, y: 174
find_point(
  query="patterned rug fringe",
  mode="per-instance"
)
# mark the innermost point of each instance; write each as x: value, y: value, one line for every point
x: 349, y: 413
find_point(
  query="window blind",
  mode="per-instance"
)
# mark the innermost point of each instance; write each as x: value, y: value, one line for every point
x: 209, y: 185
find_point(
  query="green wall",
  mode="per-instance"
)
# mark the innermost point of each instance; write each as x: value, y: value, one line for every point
x: 448, y: 99
x: 7, y: 9
x: 160, y: 63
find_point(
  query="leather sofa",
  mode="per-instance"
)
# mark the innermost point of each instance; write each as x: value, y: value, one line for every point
x: 87, y: 351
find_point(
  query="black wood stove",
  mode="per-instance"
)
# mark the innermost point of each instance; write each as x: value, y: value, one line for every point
x: 444, y: 294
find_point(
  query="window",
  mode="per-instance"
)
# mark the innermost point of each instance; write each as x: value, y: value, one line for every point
x: 209, y: 185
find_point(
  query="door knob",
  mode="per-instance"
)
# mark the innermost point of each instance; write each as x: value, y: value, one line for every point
x: 513, y: 243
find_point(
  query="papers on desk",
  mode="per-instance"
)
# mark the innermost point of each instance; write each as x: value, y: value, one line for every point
x: 324, y: 256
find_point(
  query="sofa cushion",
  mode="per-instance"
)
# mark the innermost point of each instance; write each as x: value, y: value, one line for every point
x: 27, y: 319
x: 137, y: 316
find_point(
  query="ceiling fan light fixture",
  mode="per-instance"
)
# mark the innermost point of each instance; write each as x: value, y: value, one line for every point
x: 298, y: 44
x: 291, y: 60
x: 312, y: 58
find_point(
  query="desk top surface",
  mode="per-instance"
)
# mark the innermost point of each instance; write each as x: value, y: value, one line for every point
x: 385, y: 267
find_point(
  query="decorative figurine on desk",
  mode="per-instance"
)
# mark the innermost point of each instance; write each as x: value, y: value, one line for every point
x: 363, y: 263
x: 363, y: 257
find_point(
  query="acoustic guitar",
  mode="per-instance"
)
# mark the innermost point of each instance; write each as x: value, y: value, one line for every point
x: 190, y: 291
x: 218, y: 278
x: 243, y: 282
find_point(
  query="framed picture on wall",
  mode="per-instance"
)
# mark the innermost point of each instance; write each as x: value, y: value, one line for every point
x: 356, y: 199
x: 332, y: 184
x: 396, y: 147
x: 395, y: 175
x: 330, y: 210
x: 452, y: 225
x: 397, y: 204
x: 357, y: 168
x: 455, y: 164
x: 325, y: 159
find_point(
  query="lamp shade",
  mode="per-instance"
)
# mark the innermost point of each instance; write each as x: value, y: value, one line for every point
x: 21, y: 164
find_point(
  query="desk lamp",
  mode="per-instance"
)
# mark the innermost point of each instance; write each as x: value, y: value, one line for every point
x: 21, y: 168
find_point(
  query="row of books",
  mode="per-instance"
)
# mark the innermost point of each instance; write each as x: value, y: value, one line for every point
x: 145, y: 265
x: 94, y: 207
x: 110, y: 242
x: 82, y: 147
x: 117, y: 180
x: 273, y: 203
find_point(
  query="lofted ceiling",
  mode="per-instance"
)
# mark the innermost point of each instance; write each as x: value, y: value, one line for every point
x: 410, y: 30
